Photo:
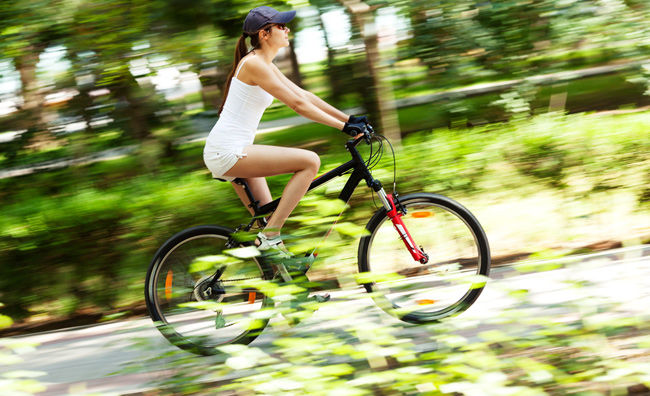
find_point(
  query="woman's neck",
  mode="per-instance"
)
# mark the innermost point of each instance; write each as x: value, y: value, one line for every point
x: 267, y: 53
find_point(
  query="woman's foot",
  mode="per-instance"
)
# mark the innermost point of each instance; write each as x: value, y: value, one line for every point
x: 272, y: 245
x: 265, y: 242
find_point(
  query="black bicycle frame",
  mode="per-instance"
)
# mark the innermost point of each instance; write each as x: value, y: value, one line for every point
x: 359, y: 169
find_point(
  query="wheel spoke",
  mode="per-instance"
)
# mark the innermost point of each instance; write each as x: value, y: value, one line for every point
x: 195, y: 310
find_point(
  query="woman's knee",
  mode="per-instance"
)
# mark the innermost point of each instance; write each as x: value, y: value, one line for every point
x: 312, y: 161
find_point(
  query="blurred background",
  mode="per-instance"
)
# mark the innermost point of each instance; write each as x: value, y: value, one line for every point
x: 531, y: 113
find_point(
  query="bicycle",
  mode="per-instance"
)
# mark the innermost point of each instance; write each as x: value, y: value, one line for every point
x: 421, y: 254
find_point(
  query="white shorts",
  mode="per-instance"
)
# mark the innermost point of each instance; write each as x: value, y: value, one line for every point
x: 219, y: 161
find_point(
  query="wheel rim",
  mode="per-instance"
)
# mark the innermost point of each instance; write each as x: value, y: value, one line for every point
x: 442, y: 287
x: 195, y: 315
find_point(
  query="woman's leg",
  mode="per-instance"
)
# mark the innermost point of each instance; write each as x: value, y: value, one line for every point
x: 262, y: 161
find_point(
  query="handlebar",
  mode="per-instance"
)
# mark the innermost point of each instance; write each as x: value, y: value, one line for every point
x: 368, y: 132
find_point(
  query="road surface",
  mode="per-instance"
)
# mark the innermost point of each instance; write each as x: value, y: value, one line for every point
x: 93, y: 358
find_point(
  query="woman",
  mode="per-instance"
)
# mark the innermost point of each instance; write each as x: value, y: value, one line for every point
x: 250, y: 89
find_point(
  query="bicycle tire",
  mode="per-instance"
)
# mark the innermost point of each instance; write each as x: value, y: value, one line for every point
x: 177, y: 283
x: 458, y: 250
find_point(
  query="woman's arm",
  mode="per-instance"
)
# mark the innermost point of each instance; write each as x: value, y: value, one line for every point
x: 314, y: 99
x: 264, y: 76
x: 326, y: 107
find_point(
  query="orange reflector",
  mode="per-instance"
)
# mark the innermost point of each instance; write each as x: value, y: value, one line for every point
x: 251, y: 297
x: 421, y: 214
x: 168, y: 285
x: 425, y: 302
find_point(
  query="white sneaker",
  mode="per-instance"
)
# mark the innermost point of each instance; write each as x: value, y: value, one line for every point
x: 273, y: 246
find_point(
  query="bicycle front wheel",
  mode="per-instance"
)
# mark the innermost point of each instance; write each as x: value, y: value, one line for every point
x: 447, y: 284
x: 201, y: 296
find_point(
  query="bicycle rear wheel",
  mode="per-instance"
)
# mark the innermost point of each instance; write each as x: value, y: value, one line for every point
x: 201, y: 297
x: 447, y: 284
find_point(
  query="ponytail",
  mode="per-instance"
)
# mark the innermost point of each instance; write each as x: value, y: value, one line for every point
x: 241, y: 50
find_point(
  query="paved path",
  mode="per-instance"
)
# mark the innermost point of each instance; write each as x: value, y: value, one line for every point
x: 92, y: 357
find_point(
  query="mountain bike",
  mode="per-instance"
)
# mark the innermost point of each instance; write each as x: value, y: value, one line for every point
x: 424, y: 257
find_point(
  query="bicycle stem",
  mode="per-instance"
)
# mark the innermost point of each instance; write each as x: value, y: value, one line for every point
x: 396, y: 218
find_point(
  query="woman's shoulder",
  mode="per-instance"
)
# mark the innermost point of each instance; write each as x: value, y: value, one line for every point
x: 253, y: 61
x: 251, y: 66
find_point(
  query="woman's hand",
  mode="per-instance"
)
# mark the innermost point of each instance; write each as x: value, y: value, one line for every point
x: 358, y: 119
x: 356, y: 130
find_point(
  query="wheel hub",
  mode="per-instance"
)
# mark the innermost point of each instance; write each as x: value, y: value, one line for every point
x: 204, y: 292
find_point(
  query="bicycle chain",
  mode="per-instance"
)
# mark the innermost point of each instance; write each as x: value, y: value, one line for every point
x: 241, y: 279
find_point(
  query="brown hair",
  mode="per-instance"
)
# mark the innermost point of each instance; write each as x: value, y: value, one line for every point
x: 241, y: 51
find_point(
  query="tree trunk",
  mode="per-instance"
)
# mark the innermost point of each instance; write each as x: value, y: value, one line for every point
x: 212, y: 80
x: 295, y: 67
x: 127, y: 89
x: 33, y: 97
x: 331, y: 72
x: 382, y: 95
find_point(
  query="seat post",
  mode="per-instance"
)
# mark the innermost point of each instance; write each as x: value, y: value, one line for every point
x: 254, y: 204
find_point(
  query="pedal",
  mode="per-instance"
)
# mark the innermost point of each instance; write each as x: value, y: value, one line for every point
x: 321, y: 298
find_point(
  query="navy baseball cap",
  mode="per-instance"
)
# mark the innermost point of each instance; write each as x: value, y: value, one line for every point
x: 258, y: 17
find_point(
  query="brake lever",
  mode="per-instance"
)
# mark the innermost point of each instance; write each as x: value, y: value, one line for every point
x: 368, y: 137
x: 368, y: 133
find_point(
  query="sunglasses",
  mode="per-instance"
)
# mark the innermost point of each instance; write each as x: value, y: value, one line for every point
x: 281, y: 26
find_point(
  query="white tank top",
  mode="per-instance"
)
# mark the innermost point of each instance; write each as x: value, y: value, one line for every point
x: 240, y: 116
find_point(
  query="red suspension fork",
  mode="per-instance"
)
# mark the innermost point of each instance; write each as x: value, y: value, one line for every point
x: 405, y: 235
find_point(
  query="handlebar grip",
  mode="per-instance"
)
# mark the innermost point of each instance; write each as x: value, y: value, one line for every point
x: 354, y: 129
x: 367, y: 132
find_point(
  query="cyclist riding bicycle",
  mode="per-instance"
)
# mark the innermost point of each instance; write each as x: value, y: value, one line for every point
x: 250, y: 88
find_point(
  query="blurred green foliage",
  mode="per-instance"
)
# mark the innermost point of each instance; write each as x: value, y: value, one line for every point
x: 80, y: 238
x: 581, y: 343
x: 115, y: 48
x: 460, y: 111
x: 468, y: 39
